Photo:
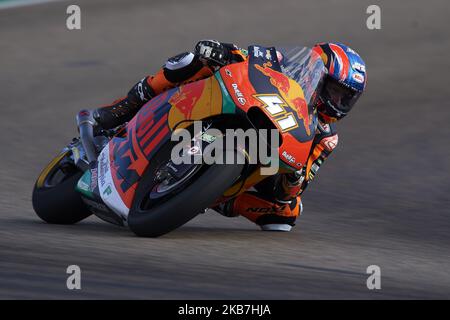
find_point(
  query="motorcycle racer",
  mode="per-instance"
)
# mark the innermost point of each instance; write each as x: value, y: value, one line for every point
x: 275, y: 203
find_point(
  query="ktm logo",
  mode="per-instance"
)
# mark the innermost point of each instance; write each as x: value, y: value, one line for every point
x: 267, y: 209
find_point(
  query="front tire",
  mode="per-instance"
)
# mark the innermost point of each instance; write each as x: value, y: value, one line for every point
x: 184, y: 205
x: 57, y: 201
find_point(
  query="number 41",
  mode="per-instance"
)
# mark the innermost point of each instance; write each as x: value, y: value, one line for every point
x: 275, y: 106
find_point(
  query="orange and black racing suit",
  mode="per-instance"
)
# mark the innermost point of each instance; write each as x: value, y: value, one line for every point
x: 274, y: 201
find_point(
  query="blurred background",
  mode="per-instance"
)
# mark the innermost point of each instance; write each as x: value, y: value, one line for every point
x: 381, y: 199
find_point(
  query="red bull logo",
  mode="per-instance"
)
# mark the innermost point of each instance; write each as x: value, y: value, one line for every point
x: 277, y: 79
x: 186, y: 97
x: 291, y: 92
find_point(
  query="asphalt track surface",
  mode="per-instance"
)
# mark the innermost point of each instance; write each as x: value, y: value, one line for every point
x: 381, y: 199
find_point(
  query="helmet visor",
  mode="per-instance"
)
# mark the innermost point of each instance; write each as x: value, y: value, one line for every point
x: 341, y: 97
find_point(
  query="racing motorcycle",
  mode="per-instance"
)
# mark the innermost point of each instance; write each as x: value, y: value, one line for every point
x: 126, y: 176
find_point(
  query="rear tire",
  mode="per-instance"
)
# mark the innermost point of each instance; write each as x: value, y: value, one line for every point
x: 60, y: 203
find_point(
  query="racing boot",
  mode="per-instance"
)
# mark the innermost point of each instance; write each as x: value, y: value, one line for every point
x: 270, y: 215
x: 124, y: 109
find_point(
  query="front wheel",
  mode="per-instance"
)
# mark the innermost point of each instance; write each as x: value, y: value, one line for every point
x: 55, y: 199
x: 153, y: 216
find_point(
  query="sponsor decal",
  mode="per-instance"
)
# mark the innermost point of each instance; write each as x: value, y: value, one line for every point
x: 82, y: 185
x: 268, y: 55
x: 194, y: 150
x: 208, y: 138
x: 279, y: 56
x: 325, y: 127
x: 288, y: 90
x: 94, y: 178
x: 257, y: 52
x: 358, y: 78
x: 140, y: 90
x: 359, y: 67
x: 185, y: 98
x: 238, y: 94
x: 351, y: 51
x: 275, y: 105
x: 104, y: 168
x: 267, y: 209
x: 314, y: 168
x: 228, y: 73
x: 107, y: 191
x: 288, y: 157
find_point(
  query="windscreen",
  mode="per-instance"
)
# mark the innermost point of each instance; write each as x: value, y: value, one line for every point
x: 304, y: 66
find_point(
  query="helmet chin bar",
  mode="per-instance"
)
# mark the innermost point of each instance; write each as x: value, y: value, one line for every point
x: 337, y: 98
x: 328, y: 112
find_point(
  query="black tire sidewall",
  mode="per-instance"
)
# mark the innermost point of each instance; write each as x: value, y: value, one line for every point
x: 185, y: 205
x: 61, y: 204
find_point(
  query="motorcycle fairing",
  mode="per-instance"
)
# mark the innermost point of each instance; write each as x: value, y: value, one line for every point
x: 111, y: 185
x: 126, y: 157
x: 129, y: 154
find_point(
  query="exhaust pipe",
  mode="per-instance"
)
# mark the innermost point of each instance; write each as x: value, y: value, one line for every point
x: 86, y: 123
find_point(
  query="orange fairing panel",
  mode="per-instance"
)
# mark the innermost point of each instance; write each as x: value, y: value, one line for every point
x: 195, y: 101
x: 153, y: 125
x: 293, y: 117
x: 235, y: 78
x: 293, y: 152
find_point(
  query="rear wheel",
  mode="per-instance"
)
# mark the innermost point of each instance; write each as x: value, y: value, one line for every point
x: 55, y: 199
x: 164, y: 204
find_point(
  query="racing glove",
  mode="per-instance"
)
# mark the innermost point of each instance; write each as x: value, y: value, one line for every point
x: 218, y: 53
x: 289, y: 185
x: 294, y: 184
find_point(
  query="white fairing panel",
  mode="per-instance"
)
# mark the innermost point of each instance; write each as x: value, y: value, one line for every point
x: 108, y: 191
